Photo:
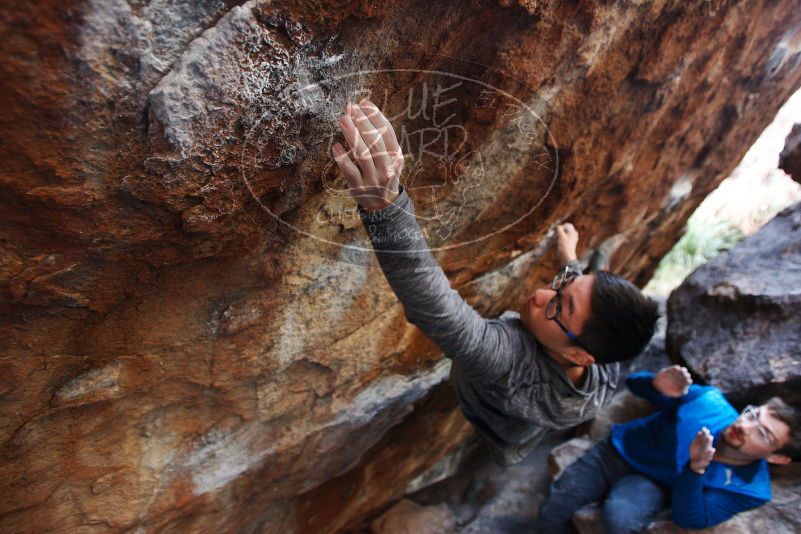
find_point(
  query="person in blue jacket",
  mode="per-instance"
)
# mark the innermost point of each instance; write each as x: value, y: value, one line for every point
x: 696, y: 453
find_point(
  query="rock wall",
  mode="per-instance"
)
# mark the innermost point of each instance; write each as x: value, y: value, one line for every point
x: 194, y: 335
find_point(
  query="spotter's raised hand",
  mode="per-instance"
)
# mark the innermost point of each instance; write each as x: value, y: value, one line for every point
x: 701, y: 451
x: 673, y: 381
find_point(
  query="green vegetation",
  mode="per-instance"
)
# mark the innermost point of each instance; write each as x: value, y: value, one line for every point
x: 701, y: 242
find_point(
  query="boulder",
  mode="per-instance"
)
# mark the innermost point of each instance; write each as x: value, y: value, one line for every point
x: 408, y: 517
x: 736, y: 321
x: 195, y: 336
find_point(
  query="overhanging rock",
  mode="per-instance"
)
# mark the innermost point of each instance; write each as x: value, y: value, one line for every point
x: 194, y: 335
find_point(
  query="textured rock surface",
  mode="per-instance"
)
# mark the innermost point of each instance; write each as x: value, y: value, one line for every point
x: 790, y: 158
x: 186, y: 344
x: 486, y: 497
x: 408, y: 517
x: 736, y: 321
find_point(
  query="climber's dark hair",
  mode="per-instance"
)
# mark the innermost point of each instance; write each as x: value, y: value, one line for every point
x: 791, y: 416
x: 621, y: 322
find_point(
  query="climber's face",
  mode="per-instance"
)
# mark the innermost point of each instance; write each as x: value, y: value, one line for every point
x: 553, y: 326
x: 757, y: 433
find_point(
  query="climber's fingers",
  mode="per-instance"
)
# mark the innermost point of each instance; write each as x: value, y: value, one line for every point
x: 380, y: 122
x: 374, y: 139
x: 373, y: 179
x: 346, y: 166
x: 359, y: 150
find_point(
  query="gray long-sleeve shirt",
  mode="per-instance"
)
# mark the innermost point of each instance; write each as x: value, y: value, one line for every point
x: 507, y: 385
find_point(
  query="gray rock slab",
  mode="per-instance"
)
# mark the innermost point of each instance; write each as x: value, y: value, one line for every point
x: 736, y: 321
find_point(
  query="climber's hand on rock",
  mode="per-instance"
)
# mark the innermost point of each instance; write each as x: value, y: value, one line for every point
x: 566, y: 241
x: 673, y: 381
x: 701, y: 451
x: 373, y: 178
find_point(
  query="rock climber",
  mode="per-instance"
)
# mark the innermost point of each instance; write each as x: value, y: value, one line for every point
x: 522, y: 375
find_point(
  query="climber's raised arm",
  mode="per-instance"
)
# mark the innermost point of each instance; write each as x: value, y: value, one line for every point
x: 372, y: 167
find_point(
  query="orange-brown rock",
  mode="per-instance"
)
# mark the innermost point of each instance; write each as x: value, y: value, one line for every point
x: 192, y: 337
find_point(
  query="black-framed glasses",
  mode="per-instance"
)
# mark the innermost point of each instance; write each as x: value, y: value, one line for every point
x: 553, y: 310
x: 751, y: 414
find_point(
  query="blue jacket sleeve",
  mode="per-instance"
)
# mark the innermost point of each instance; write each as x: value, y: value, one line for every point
x: 641, y: 384
x: 696, y: 507
x: 482, y: 347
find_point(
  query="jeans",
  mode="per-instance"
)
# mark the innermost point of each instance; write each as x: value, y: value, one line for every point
x: 632, y: 500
